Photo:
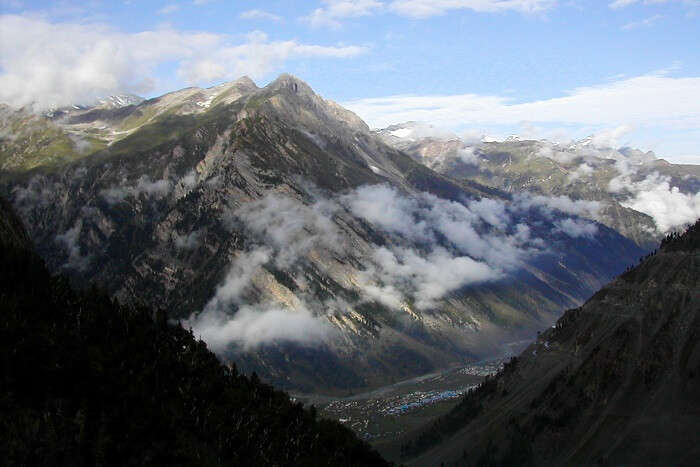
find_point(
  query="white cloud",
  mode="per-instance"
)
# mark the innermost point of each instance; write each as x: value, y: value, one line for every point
x: 383, y: 207
x: 621, y: 3
x: 563, y: 157
x: 70, y: 242
x: 229, y: 319
x: 144, y: 185
x: 684, y: 159
x: 334, y: 11
x: 290, y: 227
x: 238, y: 279
x: 576, y: 228
x: 429, y: 277
x: 580, y: 207
x: 91, y: 60
x: 251, y: 327
x: 654, y: 104
x: 653, y: 99
x: 188, y: 241
x: 646, y: 22
x: 168, y: 9
x: 421, y: 219
x: 433, y: 247
x: 610, y: 137
x: 666, y: 204
x: 260, y: 14
x: 427, y: 8
x: 468, y: 156
x: 582, y: 171
x: 617, y: 4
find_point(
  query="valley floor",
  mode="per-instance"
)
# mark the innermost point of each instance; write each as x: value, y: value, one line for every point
x: 385, y: 416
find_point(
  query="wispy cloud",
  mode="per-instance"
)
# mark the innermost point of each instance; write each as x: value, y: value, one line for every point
x: 622, y: 3
x: 427, y: 8
x: 259, y: 15
x: 333, y: 11
x: 168, y: 9
x: 646, y: 22
x: 618, y: 4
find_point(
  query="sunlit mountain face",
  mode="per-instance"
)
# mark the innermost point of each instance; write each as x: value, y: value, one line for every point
x: 295, y: 241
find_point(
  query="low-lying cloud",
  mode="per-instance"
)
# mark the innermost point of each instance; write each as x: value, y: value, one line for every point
x: 187, y: 241
x: 666, y: 204
x: 431, y: 248
x: 252, y: 327
x: 143, y: 186
x: 576, y: 228
x: 69, y: 240
x: 579, y: 207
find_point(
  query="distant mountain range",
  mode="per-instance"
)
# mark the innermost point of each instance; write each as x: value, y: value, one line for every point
x: 614, y: 382
x: 631, y: 191
x: 295, y: 240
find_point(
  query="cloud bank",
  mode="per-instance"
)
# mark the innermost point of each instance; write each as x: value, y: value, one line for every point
x: 92, y: 60
x: 431, y: 248
x: 644, y: 100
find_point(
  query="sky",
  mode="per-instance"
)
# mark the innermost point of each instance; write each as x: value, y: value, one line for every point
x: 626, y: 70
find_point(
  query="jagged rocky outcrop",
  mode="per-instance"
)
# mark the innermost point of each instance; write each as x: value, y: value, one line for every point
x: 614, y: 382
x: 246, y: 203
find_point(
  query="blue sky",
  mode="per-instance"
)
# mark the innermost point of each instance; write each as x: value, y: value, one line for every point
x: 542, y: 68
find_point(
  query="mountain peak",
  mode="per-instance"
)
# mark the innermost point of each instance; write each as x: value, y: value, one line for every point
x: 291, y: 83
x: 119, y: 100
x: 244, y: 83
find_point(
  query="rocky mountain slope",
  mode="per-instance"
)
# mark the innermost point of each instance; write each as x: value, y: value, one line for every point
x: 614, y: 382
x: 633, y: 192
x: 294, y: 240
x: 88, y: 382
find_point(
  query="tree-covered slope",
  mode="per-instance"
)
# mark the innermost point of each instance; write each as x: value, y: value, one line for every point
x: 86, y: 381
x: 615, y: 382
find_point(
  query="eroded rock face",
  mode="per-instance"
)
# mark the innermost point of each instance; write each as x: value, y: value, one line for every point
x: 300, y: 245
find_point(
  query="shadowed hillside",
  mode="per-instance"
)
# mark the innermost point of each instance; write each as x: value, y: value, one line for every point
x: 86, y: 381
x: 616, y: 381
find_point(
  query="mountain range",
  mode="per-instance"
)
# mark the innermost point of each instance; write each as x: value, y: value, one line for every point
x: 296, y: 241
x: 631, y: 191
